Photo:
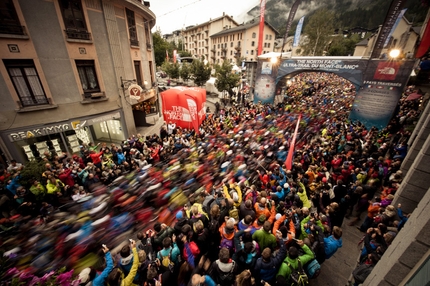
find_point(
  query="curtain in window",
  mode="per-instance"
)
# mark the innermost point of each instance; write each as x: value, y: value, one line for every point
x: 83, y: 78
x: 21, y: 86
x: 91, y: 77
x: 35, y: 86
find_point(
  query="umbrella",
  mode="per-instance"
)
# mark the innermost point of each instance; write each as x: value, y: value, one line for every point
x: 413, y: 96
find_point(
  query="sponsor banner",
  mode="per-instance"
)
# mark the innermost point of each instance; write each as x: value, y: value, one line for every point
x: 266, y: 68
x: 261, y: 27
x: 425, y: 42
x: 289, y: 160
x: 184, y: 106
x: 392, y: 15
x: 298, y: 32
x: 291, y: 18
x: 394, y: 26
x: 265, y: 86
x: 382, y: 88
x: 352, y: 70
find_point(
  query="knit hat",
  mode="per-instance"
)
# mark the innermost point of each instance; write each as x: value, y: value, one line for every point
x: 278, y: 216
x: 179, y: 215
x: 261, y: 219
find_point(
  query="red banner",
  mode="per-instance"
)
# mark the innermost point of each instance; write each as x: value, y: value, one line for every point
x: 425, y: 42
x: 261, y: 28
x: 184, y: 106
x: 289, y: 161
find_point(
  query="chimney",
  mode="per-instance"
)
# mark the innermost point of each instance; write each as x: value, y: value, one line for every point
x: 223, y: 13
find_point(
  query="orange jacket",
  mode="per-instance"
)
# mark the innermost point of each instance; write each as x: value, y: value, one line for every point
x: 291, y: 231
x: 373, y: 210
x: 262, y: 211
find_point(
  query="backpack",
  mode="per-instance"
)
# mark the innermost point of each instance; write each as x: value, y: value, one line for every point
x: 227, y: 243
x: 227, y: 278
x: 298, y: 276
x: 313, y: 269
x: 166, y: 262
x: 213, y: 226
x: 234, y: 213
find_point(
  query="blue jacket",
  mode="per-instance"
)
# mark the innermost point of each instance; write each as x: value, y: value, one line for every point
x: 100, y: 279
x: 331, y: 245
x: 267, y: 270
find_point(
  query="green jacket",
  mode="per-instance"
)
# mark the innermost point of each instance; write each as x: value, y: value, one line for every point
x: 303, y: 233
x: 285, y: 270
x: 264, y: 239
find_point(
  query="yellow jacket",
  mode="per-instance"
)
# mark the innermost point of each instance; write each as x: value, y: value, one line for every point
x: 238, y: 191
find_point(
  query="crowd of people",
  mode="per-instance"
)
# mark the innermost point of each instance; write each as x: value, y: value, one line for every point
x: 217, y: 206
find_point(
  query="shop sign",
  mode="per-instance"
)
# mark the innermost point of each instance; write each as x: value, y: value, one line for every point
x: 135, y: 91
x: 37, y: 132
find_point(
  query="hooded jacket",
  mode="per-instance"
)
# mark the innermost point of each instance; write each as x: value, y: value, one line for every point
x: 220, y: 269
x: 285, y: 270
x: 264, y: 239
x: 331, y: 245
x: 266, y: 270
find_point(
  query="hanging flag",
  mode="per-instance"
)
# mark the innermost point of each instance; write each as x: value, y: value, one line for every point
x: 174, y: 56
x: 261, y: 27
x: 290, y: 21
x: 167, y: 56
x: 425, y: 42
x: 298, y: 32
x: 395, y: 26
x: 289, y: 161
x: 390, y: 19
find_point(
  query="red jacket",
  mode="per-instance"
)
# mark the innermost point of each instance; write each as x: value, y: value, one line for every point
x: 66, y: 178
x: 96, y: 157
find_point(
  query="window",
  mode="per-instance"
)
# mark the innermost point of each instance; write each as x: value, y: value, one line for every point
x: 218, y: 53
x: 254, y: 35
x: 218, y: 46
x: 138, y: 72
x: 147, y: 35
x: 267, y: 37
x: 252, y: 52
x: 131, y: 22
x: 270, y: 37
x: 231, y: 44
x: 74, y: 20
x: 151, y: 70
x: 265, y: 45
x: 268, y: 45
x: 87, y: 75
x: 231, y: 53
x: 9, y: 22
x: 26, y: 81
x: 252, y: 43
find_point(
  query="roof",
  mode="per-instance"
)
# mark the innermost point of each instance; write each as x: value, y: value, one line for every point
x: 243, y: 27
x: 417, y: 29
x: 365, y: 42
x: 210, y: 21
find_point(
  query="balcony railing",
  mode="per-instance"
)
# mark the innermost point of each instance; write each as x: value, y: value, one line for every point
x: 78, y: 34
x: 12, y: 29
x: 213, y: 50
x: 238, y: 48
x: 134, y: 42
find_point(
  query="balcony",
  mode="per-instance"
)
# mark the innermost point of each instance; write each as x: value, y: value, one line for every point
x: 12, y: 29
x: 148, y: 46
x: 238, y: 48
x: 213, y: 50
x: 224, y: 50
x: 213, y: 57
x: 134, y: 42
x: 78, y: 35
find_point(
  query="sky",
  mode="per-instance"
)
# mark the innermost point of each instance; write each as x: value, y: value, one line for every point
x: 174, y: 15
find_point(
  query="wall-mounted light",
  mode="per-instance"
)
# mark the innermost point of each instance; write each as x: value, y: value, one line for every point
x: 394, y: 53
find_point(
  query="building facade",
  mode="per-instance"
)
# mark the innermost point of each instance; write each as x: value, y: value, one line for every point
x: 241, y: 43
x: 197, y: 39
x: 404, y: 38
x: 73, y: 72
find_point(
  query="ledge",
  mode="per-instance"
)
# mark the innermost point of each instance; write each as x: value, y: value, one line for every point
x: 13, y: 36
x: 36, y: 108
x: 79, y: 41
x: 134, y: 47
x: 88, y: 101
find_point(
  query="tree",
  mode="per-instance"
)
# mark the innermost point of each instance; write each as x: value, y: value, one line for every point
x: 341, y: 46
x: 319, y: 30
x: 33, y: 171
x: 160, y: 48
x: 225, y: 79
x: 201, y: 72
x: 171, y: 69
x: 185, y: 72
